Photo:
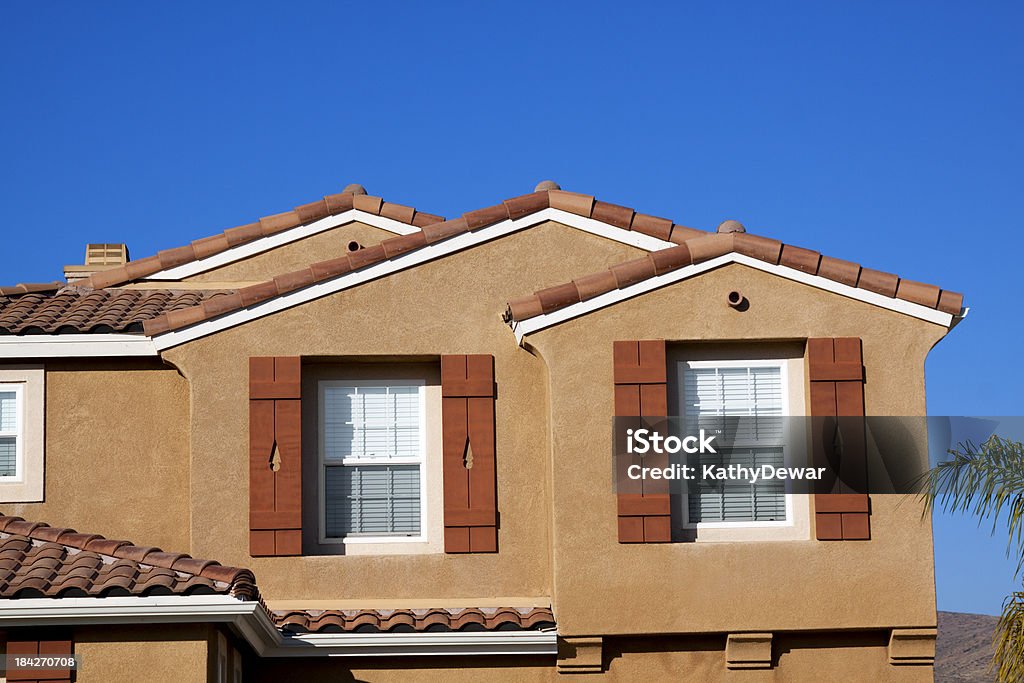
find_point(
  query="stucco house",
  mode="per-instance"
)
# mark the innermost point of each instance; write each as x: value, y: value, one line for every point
x: 356, y: 441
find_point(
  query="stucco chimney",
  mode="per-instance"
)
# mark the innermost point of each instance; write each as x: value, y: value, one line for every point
x: 97, y: 257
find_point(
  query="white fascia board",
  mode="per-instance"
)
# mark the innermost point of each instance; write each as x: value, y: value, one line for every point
x: 540, y: 322
x: 408, y: 260
x: 250, y: 620
x: 263, y: 244
x: 76, y: 346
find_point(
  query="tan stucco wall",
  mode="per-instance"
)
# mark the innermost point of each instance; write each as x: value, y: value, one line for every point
x: 452, y: 305
x: 749, y: 586
x: 116, y: 459
x: 295, y: 255
x: 142, y: 653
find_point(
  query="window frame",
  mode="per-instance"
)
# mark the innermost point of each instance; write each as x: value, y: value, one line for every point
x: 783, y: 365
x: 323, y: 462
x: 19, y: 431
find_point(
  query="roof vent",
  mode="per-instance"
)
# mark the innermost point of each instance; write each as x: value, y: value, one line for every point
x: 545, y: 185
x: 731, y: 226
x: 97, y: 257
x: 355, y: 188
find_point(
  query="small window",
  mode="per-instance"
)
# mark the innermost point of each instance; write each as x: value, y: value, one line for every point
x: 12, y: 433
x: 712, y: 391
x: 372, y: 456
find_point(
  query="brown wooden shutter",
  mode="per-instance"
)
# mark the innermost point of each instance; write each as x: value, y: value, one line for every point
x: 470, y: 481
x: 641, y: 390
x: 836, y: 374
x: 39, y: 645
x: 275, y: 456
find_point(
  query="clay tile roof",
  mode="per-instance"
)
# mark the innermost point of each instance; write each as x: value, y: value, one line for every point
x: 30, y: 288
x: 396, y: 621
x: 517, y: 207
x: 37, y: 560
x: 72, y: 310
x: 263, y: 227
x: 705, y: 247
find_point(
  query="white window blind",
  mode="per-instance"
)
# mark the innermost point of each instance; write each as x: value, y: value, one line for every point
x: 372, y: 460
x: 754, y: 393
x: 9, y: 428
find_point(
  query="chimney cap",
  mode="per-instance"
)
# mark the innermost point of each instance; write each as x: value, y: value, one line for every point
x: 545, y: 185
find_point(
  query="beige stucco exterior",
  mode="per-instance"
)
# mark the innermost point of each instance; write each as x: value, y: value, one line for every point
x: 162, y: 450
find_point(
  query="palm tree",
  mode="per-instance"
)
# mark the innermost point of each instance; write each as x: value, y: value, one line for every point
x: 988, y: 481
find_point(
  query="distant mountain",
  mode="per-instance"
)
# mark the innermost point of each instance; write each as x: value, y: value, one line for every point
x: 964, y: 648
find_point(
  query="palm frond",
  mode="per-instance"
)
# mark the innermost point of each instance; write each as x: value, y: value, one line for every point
x: 986, y: 481
x: 1009, y: 640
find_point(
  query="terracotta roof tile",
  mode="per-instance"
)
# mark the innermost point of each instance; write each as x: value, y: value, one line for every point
x: 708, y: 246
x: 74, y: 310
x: 37, y: 560
x: 434, y: 619
x: 268, y: 225
x: 30, y: 288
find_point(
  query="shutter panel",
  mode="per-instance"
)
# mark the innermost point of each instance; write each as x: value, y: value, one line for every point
x: 44, y: 644
x: 836, y: 374
x: 275, y: 456
x: 641, y: 390
x: 470, y: 481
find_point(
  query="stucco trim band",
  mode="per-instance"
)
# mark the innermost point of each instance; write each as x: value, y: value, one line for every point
x: 76, y: 346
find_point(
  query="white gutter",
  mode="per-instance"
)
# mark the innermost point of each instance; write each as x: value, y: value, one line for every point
x: 252, y: 622
x: 75, y: 345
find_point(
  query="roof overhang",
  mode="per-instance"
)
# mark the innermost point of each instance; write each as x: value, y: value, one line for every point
x: 250, y: 620
x: 403, y: 262
x: 540, y: 322
x: 76, y: 346
x: 263, y: 244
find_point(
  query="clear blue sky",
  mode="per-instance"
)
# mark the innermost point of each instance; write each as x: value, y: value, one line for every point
x: 884, y: 133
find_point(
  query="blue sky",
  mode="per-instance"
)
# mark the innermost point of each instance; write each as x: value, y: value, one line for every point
x: 883, y: 133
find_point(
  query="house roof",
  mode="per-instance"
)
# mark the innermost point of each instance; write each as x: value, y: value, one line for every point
x: 30, y: 287
x: 37, y: 560
x: 436, y: 619
x: 353, y: 197
x: 511, y: 209
x: 73, y: 310
x: 731, y: 238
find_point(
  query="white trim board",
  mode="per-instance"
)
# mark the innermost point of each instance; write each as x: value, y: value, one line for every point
x: 251, y: 621
x: 258, y: 246
x: 263, y: 244
x: 75, y: 345
x: 399, y: 263
x: 543, y: 321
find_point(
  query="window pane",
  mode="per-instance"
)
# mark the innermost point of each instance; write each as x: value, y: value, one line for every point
x: 8, y: 456
x: 371, y: 422
x: 8, y: 411
x: 754, y: 394
x: 373, y: 500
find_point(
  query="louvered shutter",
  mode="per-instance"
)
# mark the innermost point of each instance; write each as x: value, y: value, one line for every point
x: 42, y: 644
x: 275, y: 456
x: 641, y: 390
x: 470, y: 484
x: 836, y: 374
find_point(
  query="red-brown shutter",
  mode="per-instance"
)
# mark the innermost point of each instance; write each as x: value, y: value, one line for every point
x: 836, y: 374
x: 641, y: 390
x: 275, y: 456
x: 470, y: 482
x: 29, y: 645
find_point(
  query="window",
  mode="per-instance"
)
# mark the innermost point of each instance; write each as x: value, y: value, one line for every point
x: 21, y: 433
x: 756, y: 391
x: 12, y: 437
x: 372, y: 459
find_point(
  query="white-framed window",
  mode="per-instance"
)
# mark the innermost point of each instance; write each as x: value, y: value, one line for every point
x: 22, y: 418
x: 372, y: 461
x: 12, y: 431
x: 713, y: 390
